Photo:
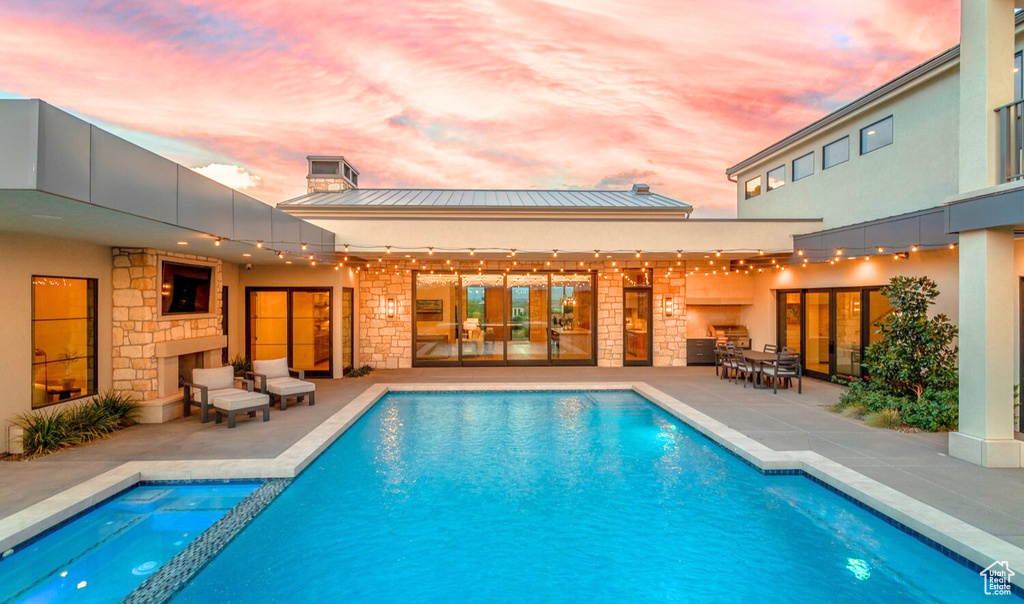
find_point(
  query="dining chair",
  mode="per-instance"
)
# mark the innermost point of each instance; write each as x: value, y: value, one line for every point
x: 784, y: 368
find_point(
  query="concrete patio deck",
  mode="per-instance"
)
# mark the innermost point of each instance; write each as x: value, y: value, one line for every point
x: 915, y: 464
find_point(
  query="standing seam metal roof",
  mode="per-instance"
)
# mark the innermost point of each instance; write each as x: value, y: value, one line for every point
x: 486, y: 198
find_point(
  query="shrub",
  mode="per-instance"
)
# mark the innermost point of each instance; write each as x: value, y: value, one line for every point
x: 70, y: 425
x: 915, y: 352
x: 935, y: 410
x: 884, y: 418
x: 241, y: 364
x: 43, y: 432
x: 360, y: 371
x: 856, y: 411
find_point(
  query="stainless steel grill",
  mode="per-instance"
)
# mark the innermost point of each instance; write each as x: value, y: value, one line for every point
x: 737, y: 334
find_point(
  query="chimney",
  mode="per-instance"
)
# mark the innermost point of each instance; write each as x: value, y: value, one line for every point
x: 330, y: 173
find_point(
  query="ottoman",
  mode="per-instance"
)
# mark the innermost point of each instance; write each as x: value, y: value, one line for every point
x: 240, y: 401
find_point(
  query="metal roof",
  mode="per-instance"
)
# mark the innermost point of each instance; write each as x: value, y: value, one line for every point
x: 485, y: 198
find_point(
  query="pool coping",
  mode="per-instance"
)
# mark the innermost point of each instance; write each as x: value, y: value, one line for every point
x: 943, y: 530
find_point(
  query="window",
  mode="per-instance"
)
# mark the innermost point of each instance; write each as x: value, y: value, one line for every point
x: 1018, y: 76
x: 836, y: 153
x: 777, y: 178
x: 325, y: 167
x: 753, y: 187
x: 803, y: 166
x: 63, y: 339
x: 876, y: 136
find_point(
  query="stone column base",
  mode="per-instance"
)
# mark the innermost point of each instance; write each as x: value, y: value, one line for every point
x: 988, y: 453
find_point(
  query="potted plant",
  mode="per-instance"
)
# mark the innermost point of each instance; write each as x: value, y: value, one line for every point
x: 67, y: 357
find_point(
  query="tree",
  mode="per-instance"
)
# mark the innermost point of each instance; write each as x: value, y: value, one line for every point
x: 916, y: 351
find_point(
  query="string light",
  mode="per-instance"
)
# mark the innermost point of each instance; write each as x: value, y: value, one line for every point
x: 346, y: 248
x: 259, y: 244
x: 718, y: 253
x: 280, y: 255
x: 513, y: 251
x: 799, y: 252
x: 952, y: 246
x: 881, y: 249
x: 472, y: 252
x: 388, y: 249
x: 430, y: 251
x: 303, y: 247
x: 913, y: 248
x: 216, y: 242
x: 554, y: 253
x: 638, y: 253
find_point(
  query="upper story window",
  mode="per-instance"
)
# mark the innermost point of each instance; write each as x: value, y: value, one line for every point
x: 63, y: 339
x: 777, y: 178
x: 836, y: 153
x: 1018, y: 76
x: 803, y: 166
x: 876, y: 136
x: 753, y: 187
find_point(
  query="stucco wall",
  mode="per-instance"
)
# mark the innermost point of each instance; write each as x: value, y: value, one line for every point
x: 918, y: 170
x: 25, y: 256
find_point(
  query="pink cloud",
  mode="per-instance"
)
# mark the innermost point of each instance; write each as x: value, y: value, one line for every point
x: 469, y: 93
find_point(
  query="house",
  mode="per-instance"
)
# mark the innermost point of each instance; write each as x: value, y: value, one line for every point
x: 123, y: 269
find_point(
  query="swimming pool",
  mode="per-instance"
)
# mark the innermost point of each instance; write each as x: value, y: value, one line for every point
x: 105, y: 554
x: 560, y: 497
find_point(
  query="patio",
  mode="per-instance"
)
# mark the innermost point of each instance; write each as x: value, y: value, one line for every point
x: 915, y: 464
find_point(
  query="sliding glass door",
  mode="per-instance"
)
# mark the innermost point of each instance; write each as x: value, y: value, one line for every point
x: 830, y: 328
x: 504, y: 319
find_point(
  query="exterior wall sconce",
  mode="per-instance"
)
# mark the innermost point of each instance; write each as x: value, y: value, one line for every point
x: 669, y: 307
x: 390, y: 308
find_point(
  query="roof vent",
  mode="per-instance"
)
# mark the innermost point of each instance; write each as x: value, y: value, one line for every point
x: 330, y: 173
x: 641, y: 189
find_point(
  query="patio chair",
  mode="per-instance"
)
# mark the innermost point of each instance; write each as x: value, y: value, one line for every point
x: 785, y: 367
x: 723, y: 355
x: 771, y: 348
x: 215, y: 388
x: 281, y: 382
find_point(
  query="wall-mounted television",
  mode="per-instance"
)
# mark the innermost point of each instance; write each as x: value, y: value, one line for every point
x: 185, y: 289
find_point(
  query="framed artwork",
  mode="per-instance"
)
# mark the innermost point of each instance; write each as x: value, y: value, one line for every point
x: 429, y: 310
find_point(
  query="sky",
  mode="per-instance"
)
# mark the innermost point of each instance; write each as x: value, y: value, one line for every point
x: 464, y: 93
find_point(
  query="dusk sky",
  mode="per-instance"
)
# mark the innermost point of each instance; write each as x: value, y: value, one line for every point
x: 464, y: 93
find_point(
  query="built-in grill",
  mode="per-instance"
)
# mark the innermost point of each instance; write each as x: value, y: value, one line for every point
x: 737, y: 334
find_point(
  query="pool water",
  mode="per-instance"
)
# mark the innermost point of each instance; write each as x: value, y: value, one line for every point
x: 108, y: 552
x: 560, y: 497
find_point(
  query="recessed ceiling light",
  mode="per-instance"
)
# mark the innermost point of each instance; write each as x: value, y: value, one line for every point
x: 247, y: 254
x: 47, y: 217
x: 182, y: 243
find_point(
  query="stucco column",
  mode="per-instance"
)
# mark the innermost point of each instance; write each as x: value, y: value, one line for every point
x: 987, y: 299
x: 986, y: 82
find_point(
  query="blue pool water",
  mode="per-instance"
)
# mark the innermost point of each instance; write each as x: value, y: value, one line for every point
x: 105, y: 554
x: 560, y: 497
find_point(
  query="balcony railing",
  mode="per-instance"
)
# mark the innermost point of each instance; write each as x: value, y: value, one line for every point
x: 1011, y: 137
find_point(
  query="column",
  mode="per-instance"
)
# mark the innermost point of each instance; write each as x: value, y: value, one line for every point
x: 987, y: 299
x: 986, y: 82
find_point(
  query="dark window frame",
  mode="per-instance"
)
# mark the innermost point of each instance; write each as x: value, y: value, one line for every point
x: 760, y: 187
x: 92, y: 352
x: 768, y: 178
x: 824, y: 156
x: 872, y: 125
x: 793, y: 167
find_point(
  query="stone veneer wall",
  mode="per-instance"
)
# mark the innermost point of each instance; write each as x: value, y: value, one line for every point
x: 327, y: 185
x: 137, y: 325
x: 387, y: 343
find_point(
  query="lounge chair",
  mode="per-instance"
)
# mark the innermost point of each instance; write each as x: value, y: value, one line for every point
x: 215, y: 388
x: 281, y: 382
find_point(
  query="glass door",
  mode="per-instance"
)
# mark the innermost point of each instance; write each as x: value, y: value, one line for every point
x: 347, y: 329
x: 790, y: 321
x: 848, y: 340
x: 482, y: 331
x: 572, y: 316
x: 311, y: 331
x: 817, y: 332
x: 268, y: 324
x: 527, y: 305
x: 637, y: 326
x: 436, y: 319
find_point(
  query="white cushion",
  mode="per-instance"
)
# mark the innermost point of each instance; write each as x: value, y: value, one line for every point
x: 275, y: 368
x: 215, y: 379
x: 286, y: 386
x: 240, y: 399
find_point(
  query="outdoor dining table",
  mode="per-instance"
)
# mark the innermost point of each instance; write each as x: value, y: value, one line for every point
x: 759, y: 358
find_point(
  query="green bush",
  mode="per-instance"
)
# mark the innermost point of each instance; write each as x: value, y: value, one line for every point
x: 915, y: 351
x: 936, y: 410
x: 360, y: 371
x: 884, y: 418
x: 70, y: 425
x: 241, y: 364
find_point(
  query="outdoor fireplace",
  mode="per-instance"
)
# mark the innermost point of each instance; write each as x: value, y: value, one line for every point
x: 186, y: 363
